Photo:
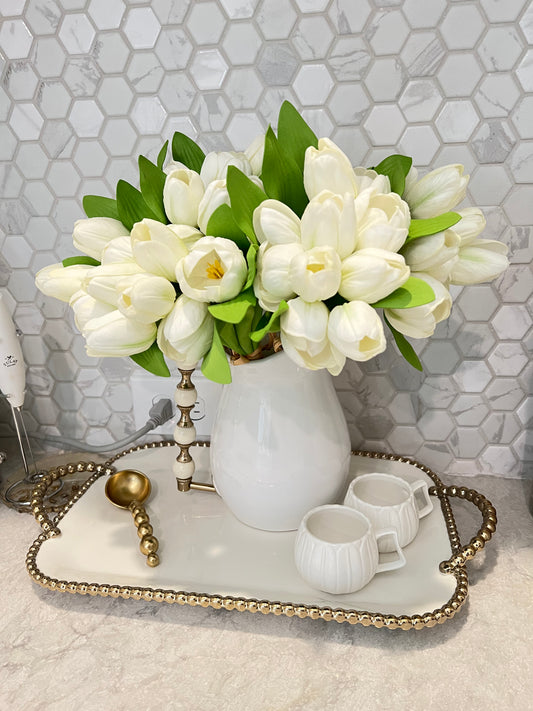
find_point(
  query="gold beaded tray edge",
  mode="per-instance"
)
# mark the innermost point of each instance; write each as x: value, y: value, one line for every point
x: 455, y: 565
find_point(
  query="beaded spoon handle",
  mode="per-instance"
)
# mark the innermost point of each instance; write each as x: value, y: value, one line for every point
x: 128, y: 489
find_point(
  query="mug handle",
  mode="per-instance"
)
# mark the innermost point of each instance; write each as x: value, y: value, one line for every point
x: 393, y: 564
x: 428, y: 507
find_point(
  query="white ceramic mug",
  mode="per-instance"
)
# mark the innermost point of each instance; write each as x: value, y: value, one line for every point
x: 336, y: 549
x: 389, y: 502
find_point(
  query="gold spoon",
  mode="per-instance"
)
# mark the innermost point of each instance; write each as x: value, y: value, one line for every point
x: 127, y: 489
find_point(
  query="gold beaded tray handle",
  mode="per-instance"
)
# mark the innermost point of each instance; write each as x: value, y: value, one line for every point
x: 454, y: 566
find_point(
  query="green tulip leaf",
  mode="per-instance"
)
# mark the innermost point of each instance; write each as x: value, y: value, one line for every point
x: 405, y: 348
x: 233, y: 311
x: 153, y: 361
x: 215, y: 365
x: 281, y: 176
x: 245, y: 196
x: 294, y: 135
x: 273, y: 323
x: 222, y: 224
x: 243, y: 329
x: 161, y: 156
x: 396, y: 167
x: 228, y: 336
x: 132, y: 207
x: 415, y: 292
x: 251, y: 260
x: 96, y: 206
x: 152, y: 181
x: 71, y: 261
x: 186, y: 151
x: 431, y: 225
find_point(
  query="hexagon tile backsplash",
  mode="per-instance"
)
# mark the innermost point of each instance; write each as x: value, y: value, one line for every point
x: 87, y: 85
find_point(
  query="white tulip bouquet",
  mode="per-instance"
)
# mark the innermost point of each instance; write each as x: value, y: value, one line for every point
x: 215, y: 252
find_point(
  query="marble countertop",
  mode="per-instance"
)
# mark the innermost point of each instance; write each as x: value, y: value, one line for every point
x: 65, y: 651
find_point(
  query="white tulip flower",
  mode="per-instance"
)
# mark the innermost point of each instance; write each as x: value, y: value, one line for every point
x: 216, y: 194
x: 114, y: 335
x: 145, y: 297
x: 188, y: 235
x: 315, y: 274
x: 255, y: 153
x: 182, y: 193
x: 329, y: 220
x: 62, y: 282
x: 470, y: 226
x: 215, y: 165
x: 86, y: 307
x: 355, y: 329
x: 271, y: 284
x: 276, y: 223
x: 157, y: 248
x: 366, y: 178
x: 215, y: 270
x: 420, y: 321
x: 437, y: 192
x: 91, y: 235
x: 479, y: 261
x: 304, y: 337
x: 118, y: 250
x: 101, y: 282
x: 186, y: 334
x: 435, y: 254
x: 371, y: 274
x: 328, y: 168
x: 382, y: 220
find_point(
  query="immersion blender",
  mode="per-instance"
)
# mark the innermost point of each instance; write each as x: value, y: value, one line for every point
x: 13, y: 386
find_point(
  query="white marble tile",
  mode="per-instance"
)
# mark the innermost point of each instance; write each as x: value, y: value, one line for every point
x: 462, y: 26
x: 384, y: 125
x: 208, y: 69
x: 493, y: 141
x: 313, y: 84
x: 497, y: 95
x: 422, y: 54
x: 206, y: 23
x: 76, y: 32
x: 312, y: 38
x: 86, y: 118
x: 499, y: 11
x: 385, y: 79
x: 500, y: 48
x: 106, y: 14
x: 242, y: 43
x: 243, y: 88
x: 275, y: 19
x: 141, y: 27
x: 420, y: 13
x: 148, y: 114
x: 15, y: 39
x: 472, y: 376
x: 349, y: 58
x: 277, y: 64
x: 145, y: 73
x: 459, y: 74
x: 387, y: 31
x: 349, y: 16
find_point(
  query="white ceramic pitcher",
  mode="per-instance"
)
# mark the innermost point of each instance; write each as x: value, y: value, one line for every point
x: 280, y: 444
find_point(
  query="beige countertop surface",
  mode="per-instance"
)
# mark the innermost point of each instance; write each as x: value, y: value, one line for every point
x: 70, y: 652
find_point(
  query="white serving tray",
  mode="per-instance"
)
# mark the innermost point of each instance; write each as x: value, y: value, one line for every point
x: 208, y: 557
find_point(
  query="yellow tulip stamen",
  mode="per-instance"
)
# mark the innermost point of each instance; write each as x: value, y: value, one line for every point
x: 315, y: 268
x: 215, y: 270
